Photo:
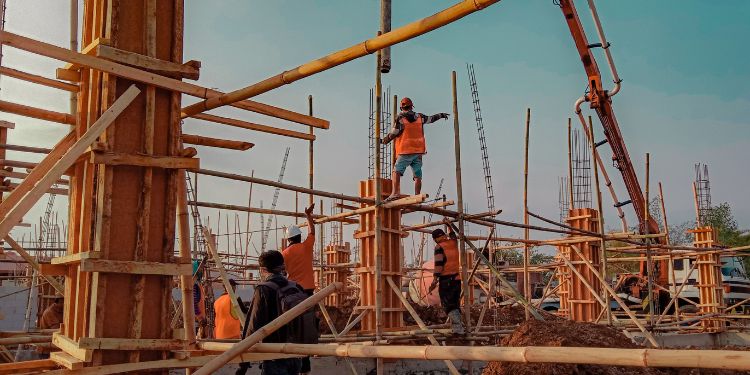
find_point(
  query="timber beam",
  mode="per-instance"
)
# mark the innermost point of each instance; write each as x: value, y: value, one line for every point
x: 216, y: 142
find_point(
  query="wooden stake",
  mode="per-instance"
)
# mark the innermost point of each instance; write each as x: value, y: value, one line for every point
x: 671, y: 257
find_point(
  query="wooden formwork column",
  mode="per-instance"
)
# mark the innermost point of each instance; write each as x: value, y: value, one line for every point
x: 564, y: 277
x: 336, y: 255
x: 124, y: 215
x: 710, y: 283
x: 581, y: 304
x: 392, y: 255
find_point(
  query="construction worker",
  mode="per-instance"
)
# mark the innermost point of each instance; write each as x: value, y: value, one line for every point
x: 199, y: 301
x: 51, y: 319
x: 410, y: 144
x: 298, y: 260
x: 264, y: 309
x: 227, y: 323
x: 447, y: 277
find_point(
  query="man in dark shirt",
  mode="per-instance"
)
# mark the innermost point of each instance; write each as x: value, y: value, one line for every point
x: 264, y: 309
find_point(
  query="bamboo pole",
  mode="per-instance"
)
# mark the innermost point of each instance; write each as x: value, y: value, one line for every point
x: 186, y: 281
x: 44, y: 81
x: 570, y: 166
x: 37, y: 113
x: 671, y: 257
x: 369, y: 46
x: 451, y: 367
x: 310, y: 152
x: 614, y: 295
x: 211, y: 242
x: 242, y: 346
x: 377, y: 215
x: 460, y: 208
x: 649, y: 261
x: 526, y: 255
x: 719, y: 359
x: 19, y: 148
x: 599, y: 205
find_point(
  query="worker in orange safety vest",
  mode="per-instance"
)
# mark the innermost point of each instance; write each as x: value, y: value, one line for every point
x: 408, y: 132
x: 447, y: 277
x: 227, y: 324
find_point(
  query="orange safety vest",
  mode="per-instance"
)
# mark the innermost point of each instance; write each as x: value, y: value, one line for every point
x: 201, y: 304
x: 411, y: 140
x: 227, y: 326
x: 450, y: 251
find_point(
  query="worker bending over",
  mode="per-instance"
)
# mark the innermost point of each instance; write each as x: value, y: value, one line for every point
x: 298, y: 258
x: 447, y: 277
x: 408, y: 132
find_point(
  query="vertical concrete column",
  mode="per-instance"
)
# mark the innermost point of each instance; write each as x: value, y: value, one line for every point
x: 710, y: 283
x: 581, y: 302
x: 392, y: 311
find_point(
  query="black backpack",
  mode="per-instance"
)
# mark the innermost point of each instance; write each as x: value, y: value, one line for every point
x: 304, y: 328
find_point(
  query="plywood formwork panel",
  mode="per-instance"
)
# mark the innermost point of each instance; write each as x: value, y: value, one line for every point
x: 576, y: 300
x: 112, y: 211
x: 392, y: 255
x: 710, y: 285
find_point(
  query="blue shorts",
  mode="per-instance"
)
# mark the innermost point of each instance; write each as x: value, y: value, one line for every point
x: 410, y: 160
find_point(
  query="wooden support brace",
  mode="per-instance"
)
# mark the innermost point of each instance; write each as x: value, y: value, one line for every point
x: 76, y: 257
x: 169, y: 162
x: 135, y: 268
x: 255, y: 127
x: 71, y: 347
x: 216, y: 142
x: 189, y: 70
x: 66, y: 360
x: 68, y: 75
x: 33, y: 263
x: 39, y: 187
x: 33, y: 78
x: 224, y: 276
x: 130, y: 344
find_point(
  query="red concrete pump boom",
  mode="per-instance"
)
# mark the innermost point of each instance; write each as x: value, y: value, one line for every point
x: 600, y: 100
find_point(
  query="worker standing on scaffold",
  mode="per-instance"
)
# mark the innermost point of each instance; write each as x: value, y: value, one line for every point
x: 447, y: 277
x: 410, y: 144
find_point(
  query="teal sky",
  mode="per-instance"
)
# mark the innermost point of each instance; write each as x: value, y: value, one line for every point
x: 683, y: 100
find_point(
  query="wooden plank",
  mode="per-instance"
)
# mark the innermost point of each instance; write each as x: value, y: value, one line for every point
x: 27, y: 366
x: 21, y: 176
x: 169, y: 162
x: 33, y: 78
x: 66, y: 161
x: 71, y: 347
x: 135, y: 268
x: 55, y: 52
x: 216, y: 142
x: 20, y: 148
x: 77, y: 257
x: 130, y: 344
x: 224, y: 276
x: 37, y: 113
x: 33, y: 263
x: 88, y: 50
x: 255, y: 127
x: 66, y: 360
x: 7, y: 124
x: 68, y: 75
x: 58, y: 191
x: 152, y: 64
x: 53, y: 269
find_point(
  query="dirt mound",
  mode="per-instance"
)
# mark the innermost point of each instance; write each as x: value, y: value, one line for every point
x: 560, y: 332
x: 339, y: 315
x: 431, y: 315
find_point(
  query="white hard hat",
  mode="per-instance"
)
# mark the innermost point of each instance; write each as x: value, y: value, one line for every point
x: 293, y: 231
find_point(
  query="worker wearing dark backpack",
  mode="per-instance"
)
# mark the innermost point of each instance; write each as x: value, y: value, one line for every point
x: 273, y: 297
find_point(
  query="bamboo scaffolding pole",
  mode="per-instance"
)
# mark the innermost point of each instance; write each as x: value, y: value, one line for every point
x: 460, y: 208
x: 614, y: 295
x: 671, y: 257
x: 721, y: 359
x: 526, y: 254
x: 409, y: 200
x: 649, y: 261
x: 35, y: 150
x: 378, y: 212
x: 570, y: 167
x: 37, y: 113
x: 310, y: 152
x: 235, y: 350
x: 33, y: 78
x: 599, y: 205
x: 266, y: 211
x: 369, y: 46
x: 676, y: 294
x: 441, y: 222
x: 451, y: 367
x: 186, y: 281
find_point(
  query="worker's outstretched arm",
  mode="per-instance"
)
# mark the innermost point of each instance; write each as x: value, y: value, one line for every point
x: 430, y: 119
x: 310, y: 221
